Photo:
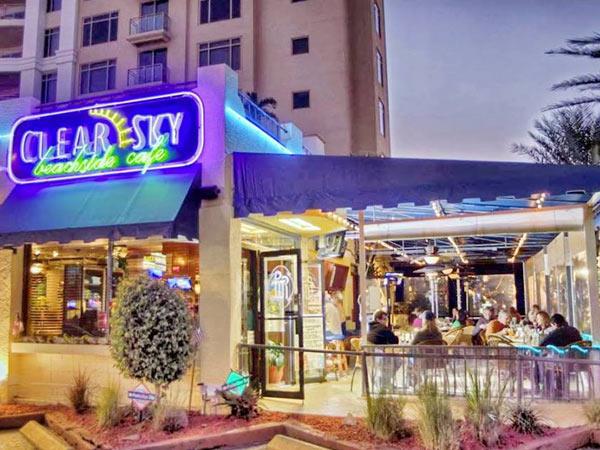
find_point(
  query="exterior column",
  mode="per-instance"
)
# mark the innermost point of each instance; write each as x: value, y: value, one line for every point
x: 220, y: 305
x: 66, y: 55
x: 33, y: 44
x: 362, y: 277
x: 591, y: 257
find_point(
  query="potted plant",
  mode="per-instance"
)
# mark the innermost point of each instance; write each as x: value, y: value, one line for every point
x: 275, y: 362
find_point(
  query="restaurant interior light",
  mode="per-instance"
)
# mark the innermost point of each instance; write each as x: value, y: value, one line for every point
x: 431, y: 259
x: 36, y: 268
x: 299, y: 224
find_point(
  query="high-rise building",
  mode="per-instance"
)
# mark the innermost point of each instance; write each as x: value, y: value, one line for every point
x: 323, y: 61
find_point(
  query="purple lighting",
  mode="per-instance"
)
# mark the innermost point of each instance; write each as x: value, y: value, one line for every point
x: 139, y: 135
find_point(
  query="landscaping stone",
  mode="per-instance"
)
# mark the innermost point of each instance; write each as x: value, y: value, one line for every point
x: 281, y: 442
x: 18, y: 420
x: 78, y: 437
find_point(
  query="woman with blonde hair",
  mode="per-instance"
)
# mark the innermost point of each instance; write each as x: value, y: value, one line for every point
x: 542, y: 322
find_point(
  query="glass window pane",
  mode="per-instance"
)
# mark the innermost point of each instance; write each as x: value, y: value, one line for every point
x: 148, y: 8
x: 235, y: 8
x: 235, y: 57
x: 83, y: 84
x: 100, y: 32
x: 203, y: 61
x: 114, y: 26
x: 300, y: 46
x: 111, y: 77
x: 204, y: 11
x: 162, y: 6
x: 98, y: 80
x: 160, y: 56
x: 219, y: 10
x: 301, y: 99
x: 219, y: 56
x: 145, y: 58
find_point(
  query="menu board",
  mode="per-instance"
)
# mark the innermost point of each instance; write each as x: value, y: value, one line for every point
x: 313, y: 287
x: 313, y: 326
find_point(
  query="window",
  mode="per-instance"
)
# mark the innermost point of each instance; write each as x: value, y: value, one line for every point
x: 151, y: 57
x: 101, y: 28
x: 51, y: 41
x: 215, y: 10
x: 48, y: 94
x: 96, y: 77
x: 377, y: 18
x: 379, y: 67
x: 381, y: 118
x: 301, y: 99
x: 220, y: 52
x: 299, y: 45
x: 155, y: 7
x: 152, y: 67
x: 53, y: 5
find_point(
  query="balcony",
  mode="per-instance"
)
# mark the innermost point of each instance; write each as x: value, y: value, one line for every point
x: 266, y: 122
x: 12, y: 14
x: 143, y: 75
x: 9, y: 86
x: 149, y: 29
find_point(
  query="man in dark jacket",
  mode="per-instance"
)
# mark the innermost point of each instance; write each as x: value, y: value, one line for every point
x: 563, y: 334
x: 379, y: 333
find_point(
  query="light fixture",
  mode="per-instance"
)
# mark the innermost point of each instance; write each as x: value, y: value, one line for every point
x: 431, y: 259
x: 251, y: 229
x: 299, y: 224
x: 55, y: 254
x: 447, y: 270
x: 36, y: 268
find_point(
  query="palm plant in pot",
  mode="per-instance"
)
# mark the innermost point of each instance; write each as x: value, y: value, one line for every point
x: 275, y: 360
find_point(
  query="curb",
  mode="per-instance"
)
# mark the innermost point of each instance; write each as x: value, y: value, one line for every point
x: 78, y: 437
x: 42, y: 437
x: 18, y: 420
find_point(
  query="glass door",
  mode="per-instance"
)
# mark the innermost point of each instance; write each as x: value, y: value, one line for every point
x: 281, y: 317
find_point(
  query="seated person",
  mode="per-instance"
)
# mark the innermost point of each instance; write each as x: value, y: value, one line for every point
x: 429, y: 331
x: 542, y: 323
x: 460, y: 321
x: 418, y: 319
x: 531, y: 316
x: 497, y: 326
x: 379, y: 332
x: 562, y: 334
x: 514, y: 315
x: 482, y: 323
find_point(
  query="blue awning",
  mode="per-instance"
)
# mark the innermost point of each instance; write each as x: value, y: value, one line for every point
x: 269, y: 183
x: 155, y: 204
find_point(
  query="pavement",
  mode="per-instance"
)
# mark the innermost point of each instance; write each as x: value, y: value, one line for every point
x: 13, y: 440
x: 334, y: 398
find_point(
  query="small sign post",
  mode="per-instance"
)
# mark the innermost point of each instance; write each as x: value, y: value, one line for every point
x: 141, y: 397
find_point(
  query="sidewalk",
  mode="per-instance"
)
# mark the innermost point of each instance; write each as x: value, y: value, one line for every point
x: 333, y: 398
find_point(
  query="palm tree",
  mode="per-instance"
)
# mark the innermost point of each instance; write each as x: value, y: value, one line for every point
x: 267, y: 104
x: 567, y: 136
x: 587, y: 47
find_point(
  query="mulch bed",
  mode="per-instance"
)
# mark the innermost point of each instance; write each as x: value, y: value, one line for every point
x: 130, y: 433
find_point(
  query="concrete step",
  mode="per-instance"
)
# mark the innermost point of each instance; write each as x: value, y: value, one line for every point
x: 282, y: 442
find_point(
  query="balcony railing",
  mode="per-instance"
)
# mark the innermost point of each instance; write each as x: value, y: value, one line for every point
x: 149, y: 23
x: 12, y: 11
x: 155, y: 73
x: 10, y: 54
x: 260, y: 118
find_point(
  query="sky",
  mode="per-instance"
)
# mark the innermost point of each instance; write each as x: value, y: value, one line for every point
x: 467, y: 78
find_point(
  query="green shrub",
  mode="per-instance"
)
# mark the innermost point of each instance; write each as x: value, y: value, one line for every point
x: 79, y: 392
x: 484, y: 409
x: 592, y: 412
x: 524, y: 419
x: 108, y: 413
x: 385, y: 417
x: 436, y: 425
x: 244, y: 406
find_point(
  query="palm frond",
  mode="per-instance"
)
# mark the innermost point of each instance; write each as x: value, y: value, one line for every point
x: 268, y: 101
x: 588, y: 40
x: 573, y: 50
x: 574, y: 102
x: 582, y: 81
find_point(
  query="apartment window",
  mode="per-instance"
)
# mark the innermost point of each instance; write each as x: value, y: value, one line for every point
x: 155, y: 7
x: 101, y: 28
x: 380, y: 69
x: 96, y: 77
x: 220, y: 52
x: 48, y: 94
x: 51, y: 41
x: 377, y: 18
x: 381, y: 110
x: 301, y: 99
x: 299, y: 45
x: 53, y: 5
x: 215, y: 10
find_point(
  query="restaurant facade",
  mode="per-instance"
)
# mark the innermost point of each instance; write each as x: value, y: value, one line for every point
x: 192, y: 186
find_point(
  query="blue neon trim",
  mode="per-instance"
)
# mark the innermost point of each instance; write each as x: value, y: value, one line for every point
x: 263, y: 134
x: 585, y: 351
x: 530, y: 348
x: 556, y: 349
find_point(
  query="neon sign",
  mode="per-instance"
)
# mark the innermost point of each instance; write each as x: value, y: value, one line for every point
x: 133, y: 136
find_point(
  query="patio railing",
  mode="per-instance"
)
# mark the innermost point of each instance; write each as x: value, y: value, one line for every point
x: 148, y: 23
x: 520, y: 374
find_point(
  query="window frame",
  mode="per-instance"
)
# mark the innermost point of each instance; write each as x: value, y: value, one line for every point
x: 295, y: 93
x: 91, y: 20
x: 47, y: 78
x: 211, y: 46
x: 379, y: 67
x: 376, y: 11
x: 209, y: 8
x: 109, y: 64
x: 53, y: 5
x: 381, y: 117
x: 299, y: 38
x: 50, y: 36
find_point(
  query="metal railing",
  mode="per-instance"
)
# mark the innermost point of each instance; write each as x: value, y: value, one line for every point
x: 260, y: 118
x: 154, y: 73
x: 535, y: 374
x: 12, y: 11
x: 149, y: 22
